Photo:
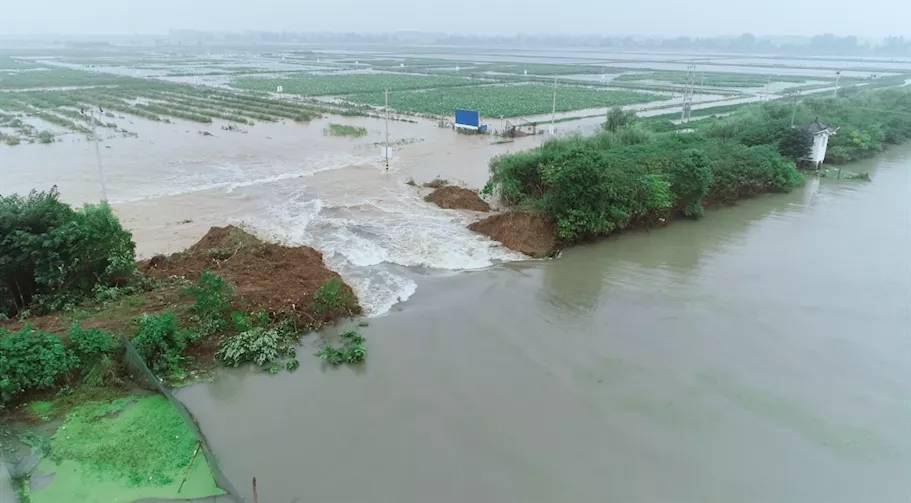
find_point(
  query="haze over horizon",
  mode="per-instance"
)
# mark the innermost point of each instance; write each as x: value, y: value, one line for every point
x: 877, y: 18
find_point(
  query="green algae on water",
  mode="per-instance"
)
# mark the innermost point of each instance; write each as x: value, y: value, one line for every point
x: 123, y: 450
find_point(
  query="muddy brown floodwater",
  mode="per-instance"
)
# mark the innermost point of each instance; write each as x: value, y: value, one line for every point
x: 760, y: 354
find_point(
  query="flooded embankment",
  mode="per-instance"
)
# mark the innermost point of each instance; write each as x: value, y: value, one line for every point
x: 759, y: 354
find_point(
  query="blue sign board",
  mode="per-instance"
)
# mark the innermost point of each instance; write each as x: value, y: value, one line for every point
x: 467, y: 118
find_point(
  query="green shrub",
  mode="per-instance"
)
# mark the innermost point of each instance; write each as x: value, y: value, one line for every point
x: 88, y: 345
x: 53, y: 255
x: 352, y: 351
x: 332, y: 296
x: 30, y: 360
x: 161, y: 342
x: 213, y: 303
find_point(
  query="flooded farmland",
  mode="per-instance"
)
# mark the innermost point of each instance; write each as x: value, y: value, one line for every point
x: 757, y: 354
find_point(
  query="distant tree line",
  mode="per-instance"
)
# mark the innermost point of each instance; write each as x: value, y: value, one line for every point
x: 824, y: 44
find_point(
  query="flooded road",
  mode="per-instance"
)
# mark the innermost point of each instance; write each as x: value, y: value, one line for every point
x: 760, y: 354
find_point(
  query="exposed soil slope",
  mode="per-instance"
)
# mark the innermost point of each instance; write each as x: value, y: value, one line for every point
x: 266, y: 277
x: 457, y: 198
x: 532, y: 234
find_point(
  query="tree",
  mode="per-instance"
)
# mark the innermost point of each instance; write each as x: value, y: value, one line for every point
x: 617, y: 119
x: 796, y: 144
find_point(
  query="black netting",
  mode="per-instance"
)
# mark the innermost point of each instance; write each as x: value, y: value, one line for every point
x: 144, y: 375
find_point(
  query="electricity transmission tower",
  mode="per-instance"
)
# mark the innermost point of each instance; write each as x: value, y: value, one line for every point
x: 688, y: 93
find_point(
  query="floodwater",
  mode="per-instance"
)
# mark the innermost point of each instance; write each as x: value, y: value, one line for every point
x: 760, y: 354
x: 286, y: 182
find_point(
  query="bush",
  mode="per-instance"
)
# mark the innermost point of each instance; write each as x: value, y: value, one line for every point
x: 53, y: 255
x: 161, y: 343
x: 88, y: 345
x: 213, y: 303
x: 352, y: 350
x: 332, y: 296
x: 30, y: 360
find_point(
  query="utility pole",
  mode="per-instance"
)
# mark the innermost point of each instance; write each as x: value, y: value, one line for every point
x: 104, y: 189
x: 794, y: 107
x: 837, y: 77
x: 553, y: 111
x: 386, y: 109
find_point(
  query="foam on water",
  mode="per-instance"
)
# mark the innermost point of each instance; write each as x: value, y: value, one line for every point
x: 186, y: 177
x: 372, y: 242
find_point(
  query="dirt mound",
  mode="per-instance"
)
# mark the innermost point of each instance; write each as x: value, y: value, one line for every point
x: 457, y: 198
x: 529, y: 233
x: 269, y: 277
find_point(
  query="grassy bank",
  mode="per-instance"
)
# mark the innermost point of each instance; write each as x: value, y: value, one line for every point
x: 630, y: 176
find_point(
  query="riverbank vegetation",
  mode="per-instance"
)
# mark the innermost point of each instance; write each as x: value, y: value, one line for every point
x: 633, y: 177
x: 72, y: 297
x: 85, y: 331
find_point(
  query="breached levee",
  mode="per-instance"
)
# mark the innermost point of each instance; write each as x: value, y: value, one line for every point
x: 533, y: 234
x: 277, y: 279
x: 451, y: 197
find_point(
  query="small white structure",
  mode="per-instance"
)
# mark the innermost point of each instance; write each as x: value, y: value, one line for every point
x: 820, y: 133
x: 279, y: 89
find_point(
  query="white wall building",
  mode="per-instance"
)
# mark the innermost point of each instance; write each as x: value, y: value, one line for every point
x: 820, y: 133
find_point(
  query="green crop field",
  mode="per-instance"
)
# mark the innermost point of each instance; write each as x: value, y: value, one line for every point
x: 504, y: 100
x: 322, y: 85
x: 542, y: 69
x: 712, y: 79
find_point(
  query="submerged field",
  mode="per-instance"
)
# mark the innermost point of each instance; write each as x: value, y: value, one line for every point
x: 40, y: 104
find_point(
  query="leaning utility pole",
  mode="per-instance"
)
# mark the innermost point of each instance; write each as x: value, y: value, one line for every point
x: 104, y: 189
x: 386, y: 109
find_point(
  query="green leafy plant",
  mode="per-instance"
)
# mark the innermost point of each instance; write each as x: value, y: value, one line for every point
x: 30, y: 360
x: 352, y: 351
x: 260, y: 344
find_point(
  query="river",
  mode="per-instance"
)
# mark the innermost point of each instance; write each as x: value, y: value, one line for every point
x: 759, y: 354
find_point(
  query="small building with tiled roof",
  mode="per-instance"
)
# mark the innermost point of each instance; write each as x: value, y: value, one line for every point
x: 820, y: 133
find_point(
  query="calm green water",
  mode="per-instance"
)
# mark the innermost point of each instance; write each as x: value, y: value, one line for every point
x: 761, y: 354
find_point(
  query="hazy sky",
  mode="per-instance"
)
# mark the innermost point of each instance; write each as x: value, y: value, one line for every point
x: 649, y: 17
